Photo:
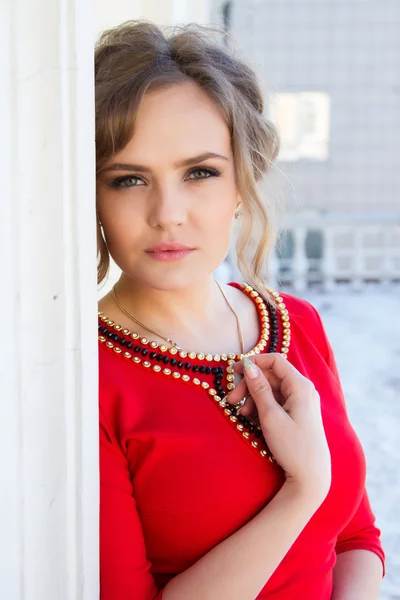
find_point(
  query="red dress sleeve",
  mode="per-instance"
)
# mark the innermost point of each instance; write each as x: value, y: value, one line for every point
x: 361, y: 532
x: 124, y: 569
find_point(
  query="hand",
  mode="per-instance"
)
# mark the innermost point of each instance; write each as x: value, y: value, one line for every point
x: 289, y: 412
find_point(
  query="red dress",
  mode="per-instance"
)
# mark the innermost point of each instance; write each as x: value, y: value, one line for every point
x: 178, y: 477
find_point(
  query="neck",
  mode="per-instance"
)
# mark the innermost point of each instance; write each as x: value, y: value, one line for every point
x: 187, y: 310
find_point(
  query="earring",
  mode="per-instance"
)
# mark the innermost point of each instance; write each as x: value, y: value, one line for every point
x: 237, y: 214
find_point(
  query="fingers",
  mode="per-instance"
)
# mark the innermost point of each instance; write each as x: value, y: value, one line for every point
x: 282, y: 376
x: 259, y: 388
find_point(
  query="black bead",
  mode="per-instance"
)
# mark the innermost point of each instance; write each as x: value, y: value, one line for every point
x: 221, y: 370
x: 115, y: 337
x: 137, y: 348
x: 202, y: 369
x: 214, y: 370
x: 208, y: 370
x: 251, y: 428
x: 258, y: 433
x: 123, y: 342
x: 195, y: 368
x: 173, y: 361
x: 100, y: 327
x: 165, y: 359
x: 188, y: 366
x: 110, y: 334
x: 180, y: 364
x: 145, y: 352
x: 129, y: 345
x: 152, y: 354
x: 104, y: 330
x: 159, y: 357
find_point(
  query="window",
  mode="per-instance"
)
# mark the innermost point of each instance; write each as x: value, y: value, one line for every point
x: 303, y: 123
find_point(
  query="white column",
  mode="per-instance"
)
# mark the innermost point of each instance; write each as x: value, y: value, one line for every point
x: 48, y: 379
x: 300, y: 262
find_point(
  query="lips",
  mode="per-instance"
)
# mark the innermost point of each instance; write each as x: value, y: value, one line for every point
x: 166, y: 252
x: 169, y: 247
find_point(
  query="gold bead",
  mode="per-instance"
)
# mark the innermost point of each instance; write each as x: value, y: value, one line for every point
x: 286, y: 344
x: 163, y: 348
x: 136, y: 359
x: 167, y: 371
x: 117, y: 350
x: 185, y: 377
x: 134, y: 336
x: 157, y: 368
x: 117, y: 327
x: 223, y: 403
x: 144, y: 340
x: 110, y: 323
x: 285, y: 350
x: 200, y: 356
x: 183, y: 354
x: 254, y: 443
x: 212, y: 392
x: 196, y: 381
x: 153, y: 344
x: 147, y: 364
x: 209, y: 357
x: 192, y: 354
x: 240, y: 427
x: 126, y: 331
x: 205, y: 385
x: 230, y: 377
x: 246, y: 434
x: 230, y: 370
x: 233, y: 419
x: 263, y: 453
x: 227, y: 411
x: 259, y: 300
x: 217, y: 398
x: 230, y: 386
x: 173, y: 350
x: 176, y: 374
x: 232, y: 356
x: 217, y: 357
x: 110, y: 344
x: 102, y: 338
x: 224, y: 357
x: 127, y: 355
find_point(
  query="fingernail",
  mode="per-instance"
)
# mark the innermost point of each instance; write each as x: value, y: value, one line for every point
x: 250, y: 368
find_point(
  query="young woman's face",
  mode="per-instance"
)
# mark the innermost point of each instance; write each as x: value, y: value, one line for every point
x: 173, y: 182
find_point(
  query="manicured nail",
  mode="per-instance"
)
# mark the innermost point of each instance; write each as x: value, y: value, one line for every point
x: 250, y: 368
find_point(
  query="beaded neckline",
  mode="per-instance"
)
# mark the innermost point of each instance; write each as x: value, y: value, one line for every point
x: 264, y: 323
x: 205, y: 371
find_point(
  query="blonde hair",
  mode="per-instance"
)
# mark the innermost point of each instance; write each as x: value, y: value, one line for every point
x: 137, y: 56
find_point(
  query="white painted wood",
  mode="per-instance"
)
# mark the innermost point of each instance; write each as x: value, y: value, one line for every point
x: 48, y: 406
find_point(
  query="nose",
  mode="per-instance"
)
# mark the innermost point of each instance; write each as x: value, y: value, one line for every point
x: 167, y: 207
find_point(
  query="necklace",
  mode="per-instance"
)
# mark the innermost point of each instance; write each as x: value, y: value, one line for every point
x: 172, y: 342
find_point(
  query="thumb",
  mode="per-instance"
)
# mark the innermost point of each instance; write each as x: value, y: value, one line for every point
x: 259, y: 387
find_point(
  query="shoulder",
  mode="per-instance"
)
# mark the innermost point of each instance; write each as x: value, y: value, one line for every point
x: 306, y: 321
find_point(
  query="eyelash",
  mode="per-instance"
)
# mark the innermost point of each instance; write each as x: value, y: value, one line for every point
x: 118, y: 183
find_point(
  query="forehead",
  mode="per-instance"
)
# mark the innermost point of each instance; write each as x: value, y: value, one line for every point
x: 175, y: 122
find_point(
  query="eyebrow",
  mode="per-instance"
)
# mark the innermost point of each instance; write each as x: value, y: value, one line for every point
x: 183, y: 163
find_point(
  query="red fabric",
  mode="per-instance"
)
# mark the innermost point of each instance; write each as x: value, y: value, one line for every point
x: 177, y: 477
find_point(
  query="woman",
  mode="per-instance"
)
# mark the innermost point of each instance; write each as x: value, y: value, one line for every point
x: 229, y: 469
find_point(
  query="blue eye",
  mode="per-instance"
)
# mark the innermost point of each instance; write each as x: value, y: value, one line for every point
x: 203, y: 173
x: 127, y: 181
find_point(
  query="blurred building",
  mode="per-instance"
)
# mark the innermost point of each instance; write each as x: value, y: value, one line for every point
x: 331, y: 71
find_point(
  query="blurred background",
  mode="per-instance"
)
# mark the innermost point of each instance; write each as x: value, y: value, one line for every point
x: 330, y: 70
